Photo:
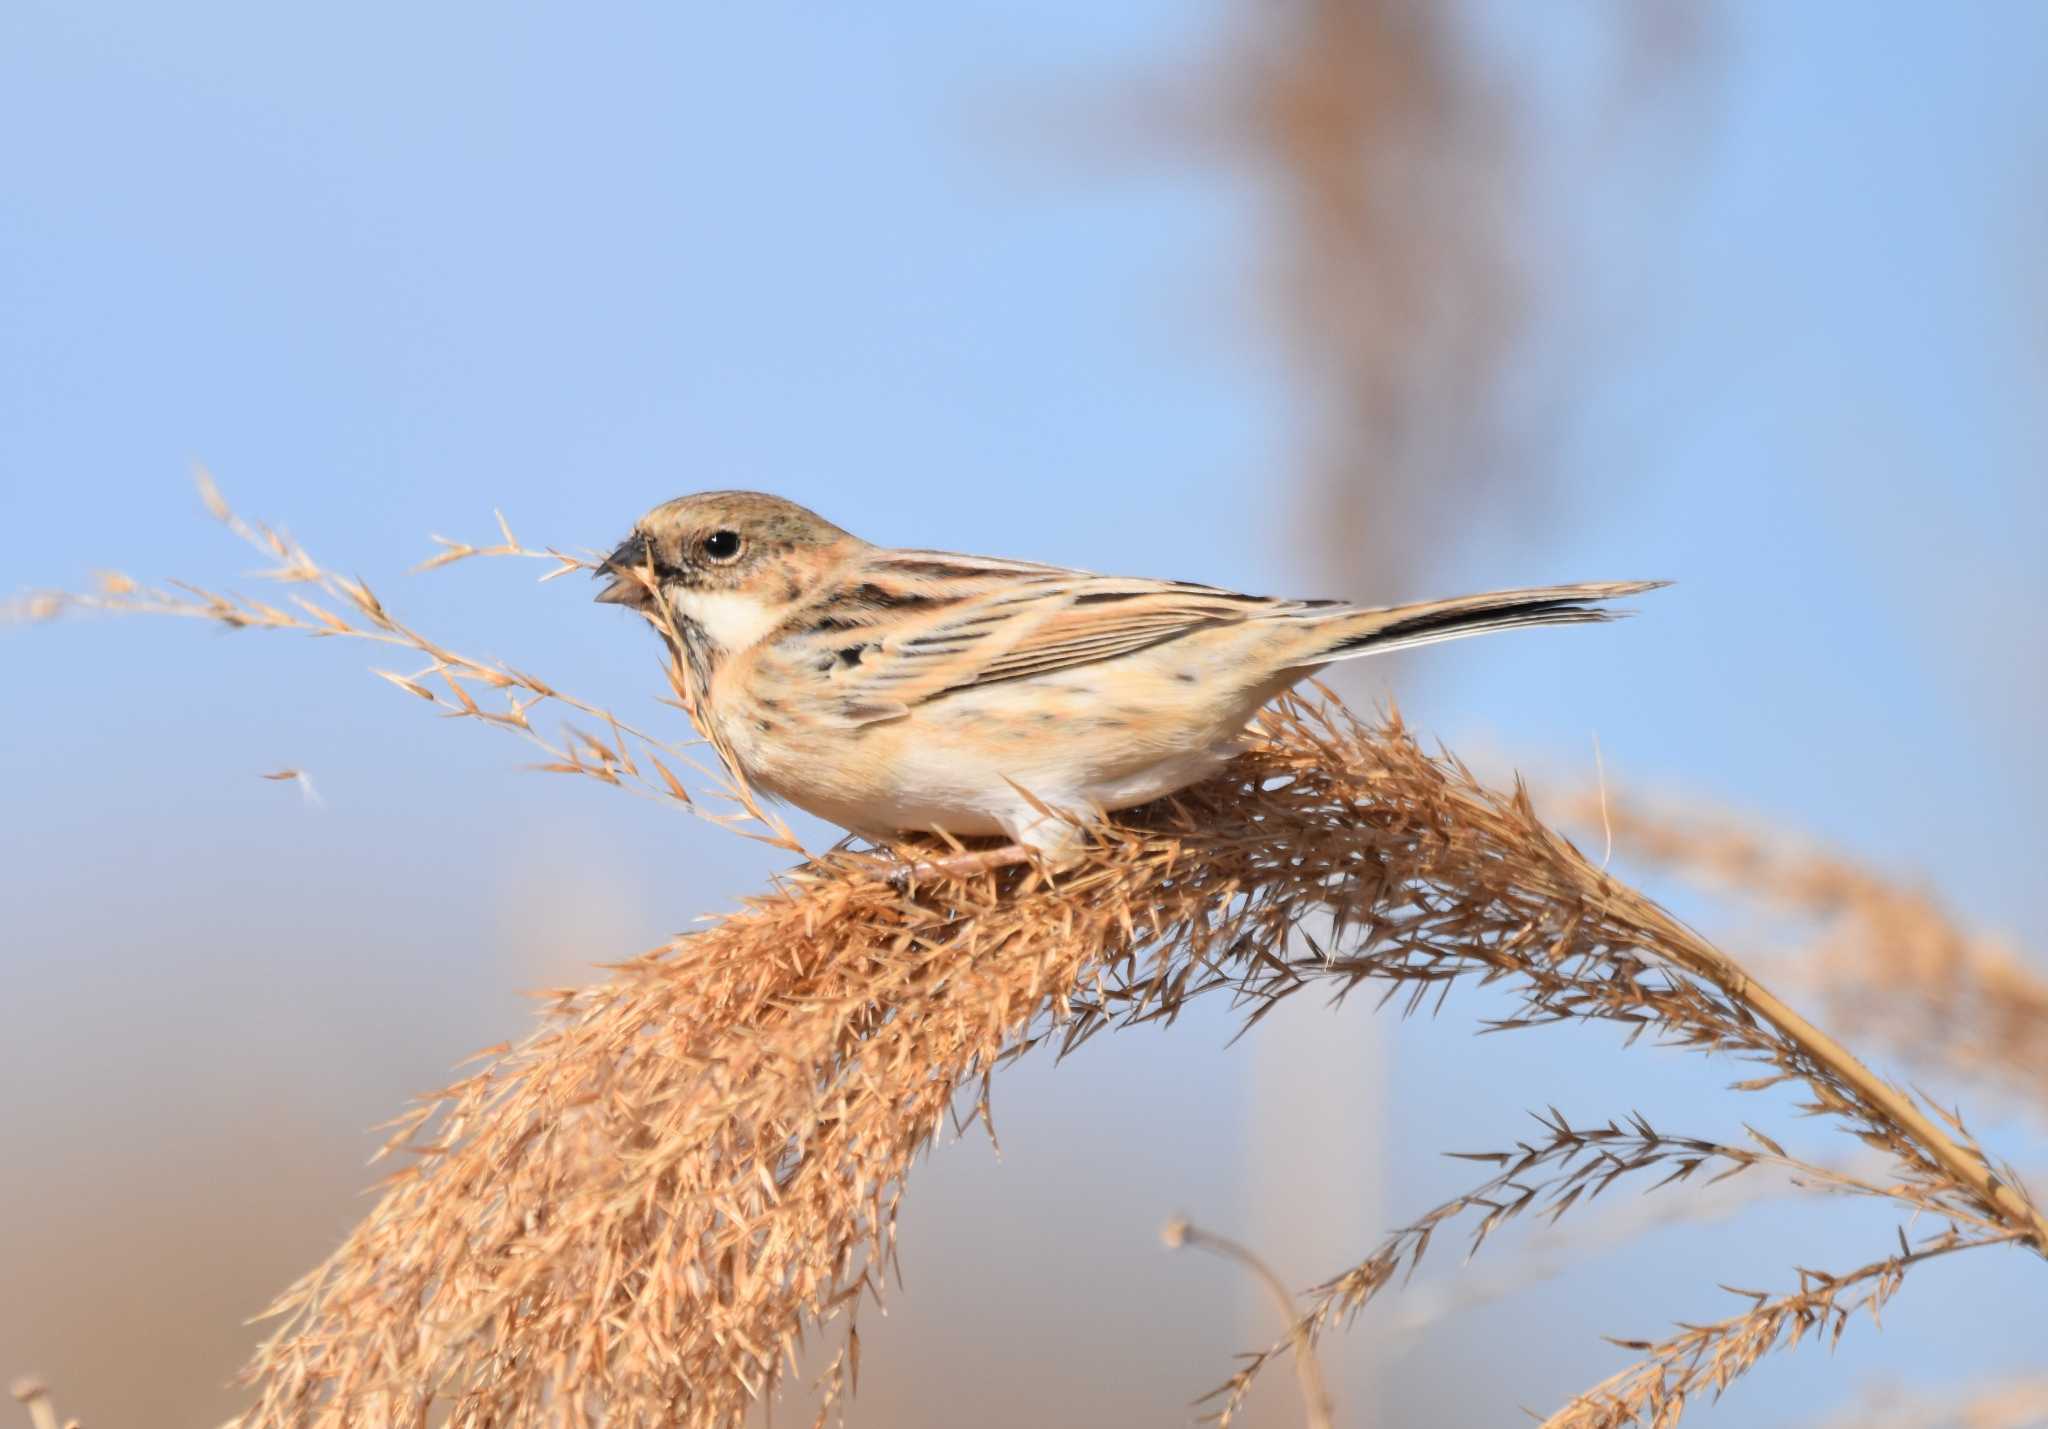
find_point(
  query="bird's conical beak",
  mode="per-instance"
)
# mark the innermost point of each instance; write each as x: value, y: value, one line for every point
x: 627, y: 568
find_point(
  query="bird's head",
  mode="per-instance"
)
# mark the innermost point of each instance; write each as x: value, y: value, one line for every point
x: 728, y: 560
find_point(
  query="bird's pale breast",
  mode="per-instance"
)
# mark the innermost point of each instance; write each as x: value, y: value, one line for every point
x: 1093, y: 738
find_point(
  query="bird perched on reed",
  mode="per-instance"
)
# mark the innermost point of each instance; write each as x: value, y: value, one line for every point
x: 892, y: 691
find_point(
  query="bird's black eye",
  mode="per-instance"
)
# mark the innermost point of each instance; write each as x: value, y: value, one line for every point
x: 722, y: 545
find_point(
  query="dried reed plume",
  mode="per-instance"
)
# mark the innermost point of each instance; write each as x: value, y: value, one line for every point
x: 637, y: 1214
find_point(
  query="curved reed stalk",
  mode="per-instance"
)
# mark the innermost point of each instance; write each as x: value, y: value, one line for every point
x: 1881, y: 954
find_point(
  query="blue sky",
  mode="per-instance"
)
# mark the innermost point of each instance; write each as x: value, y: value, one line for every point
x: 387, y: 269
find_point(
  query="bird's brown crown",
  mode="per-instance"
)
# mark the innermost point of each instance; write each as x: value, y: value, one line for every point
x: 713, y: 540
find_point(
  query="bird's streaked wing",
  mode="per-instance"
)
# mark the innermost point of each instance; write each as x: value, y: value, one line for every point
x: 910, y: 626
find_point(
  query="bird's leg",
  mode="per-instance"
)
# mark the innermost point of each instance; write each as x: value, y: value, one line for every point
x: 962, y: 865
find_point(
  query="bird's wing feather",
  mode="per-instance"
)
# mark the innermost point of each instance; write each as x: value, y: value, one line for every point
x: 911, y: 626
x: 914, y: 625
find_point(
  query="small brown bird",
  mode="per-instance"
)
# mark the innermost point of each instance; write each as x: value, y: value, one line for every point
x: 901, y: 690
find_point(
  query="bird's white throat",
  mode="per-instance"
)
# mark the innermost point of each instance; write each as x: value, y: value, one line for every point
x: 733, y: 619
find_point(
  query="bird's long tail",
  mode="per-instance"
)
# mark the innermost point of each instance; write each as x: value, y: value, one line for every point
x: 1353, y: 633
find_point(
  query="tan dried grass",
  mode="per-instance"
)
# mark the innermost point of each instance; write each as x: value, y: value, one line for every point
x: 636, y: 1215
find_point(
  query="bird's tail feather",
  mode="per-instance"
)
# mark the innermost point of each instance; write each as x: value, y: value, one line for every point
x: 1355, y: 633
